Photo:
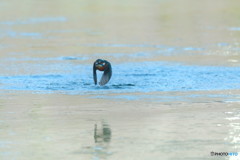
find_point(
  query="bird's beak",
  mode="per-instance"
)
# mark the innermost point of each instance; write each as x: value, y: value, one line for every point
x: 98, y: 65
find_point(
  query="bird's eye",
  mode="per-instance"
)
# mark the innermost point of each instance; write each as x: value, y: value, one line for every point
x: 104, y: 63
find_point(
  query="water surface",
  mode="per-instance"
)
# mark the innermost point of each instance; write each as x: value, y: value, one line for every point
x: 174, y: 93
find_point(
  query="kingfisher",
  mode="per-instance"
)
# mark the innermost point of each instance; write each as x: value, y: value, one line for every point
x: 102, y: 65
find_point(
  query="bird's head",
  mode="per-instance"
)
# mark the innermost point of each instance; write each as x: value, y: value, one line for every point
x: 100, y: 64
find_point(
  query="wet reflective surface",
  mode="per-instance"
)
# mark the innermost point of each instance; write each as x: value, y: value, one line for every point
x: 174, y: 93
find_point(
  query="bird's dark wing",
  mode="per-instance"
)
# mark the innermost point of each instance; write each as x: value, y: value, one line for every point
x: 94, y: 74
x: 106, y: 75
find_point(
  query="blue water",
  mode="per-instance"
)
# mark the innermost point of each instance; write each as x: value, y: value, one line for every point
x: 36, y: 20
x: 62, y: 75
x: 71, y: 78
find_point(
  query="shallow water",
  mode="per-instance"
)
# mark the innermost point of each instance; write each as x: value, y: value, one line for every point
x: 69, y: 78
x: 174, y: 93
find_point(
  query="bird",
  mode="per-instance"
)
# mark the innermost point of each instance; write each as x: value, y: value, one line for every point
x: 102, y: 65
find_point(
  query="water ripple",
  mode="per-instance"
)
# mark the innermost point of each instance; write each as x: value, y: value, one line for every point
x: 35, y: 20
x: 129, y: 77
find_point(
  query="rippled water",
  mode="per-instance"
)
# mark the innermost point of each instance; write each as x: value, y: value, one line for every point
x: 127, y: 77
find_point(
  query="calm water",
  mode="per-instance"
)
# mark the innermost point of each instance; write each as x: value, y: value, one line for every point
x: 174, y: 93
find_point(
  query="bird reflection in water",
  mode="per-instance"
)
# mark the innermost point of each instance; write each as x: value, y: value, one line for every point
x: 102, y: 138
x: 102, y: 134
